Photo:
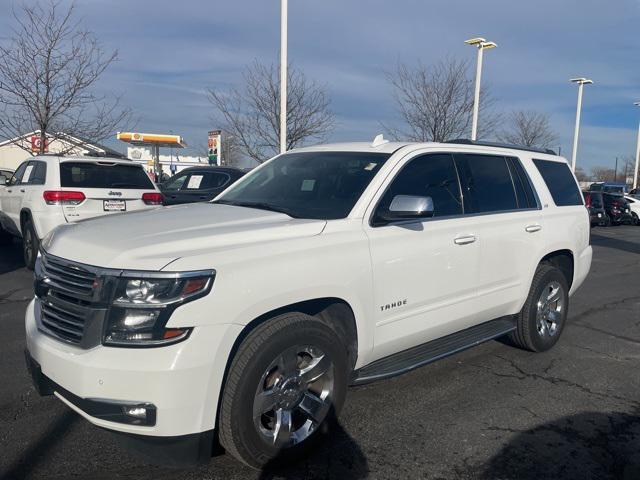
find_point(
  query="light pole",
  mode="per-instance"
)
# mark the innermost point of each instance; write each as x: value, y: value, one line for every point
x: 283, y: 75
x: 482, y: 45
x: 635, y: 171
x: 581, y: 83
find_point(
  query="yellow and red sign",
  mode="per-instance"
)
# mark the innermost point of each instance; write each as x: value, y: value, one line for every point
x: 36, y: 142
x: 161, y: 140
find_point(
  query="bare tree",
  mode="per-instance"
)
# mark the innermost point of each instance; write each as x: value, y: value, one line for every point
x: 530, y: 129
x: 47, y: 70
x: 251, y: 115
x: 602, y: 174
x: 581, y: 175
x: 435, y: 103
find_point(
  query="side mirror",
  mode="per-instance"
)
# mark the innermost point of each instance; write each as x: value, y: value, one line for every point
x: 408, y: 207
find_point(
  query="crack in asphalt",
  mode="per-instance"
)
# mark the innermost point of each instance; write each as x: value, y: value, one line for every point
x: 554, y: 380
x: 608, y: 355
x: 605, y: 332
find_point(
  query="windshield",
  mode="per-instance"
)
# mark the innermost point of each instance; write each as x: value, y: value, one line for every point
x: 319, y: 185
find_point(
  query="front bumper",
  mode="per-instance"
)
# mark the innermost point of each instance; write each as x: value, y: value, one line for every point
x: 182, y: 381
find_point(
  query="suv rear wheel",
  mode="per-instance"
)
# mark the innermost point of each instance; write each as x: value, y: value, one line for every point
x: 542, y: 319
x: 285, y: 385
x: 30, y: 244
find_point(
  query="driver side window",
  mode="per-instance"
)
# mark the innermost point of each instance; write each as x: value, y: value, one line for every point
x: 431, y: 175
x: 17, y: 176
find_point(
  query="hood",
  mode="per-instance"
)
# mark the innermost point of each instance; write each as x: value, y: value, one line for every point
x: 150, y: 239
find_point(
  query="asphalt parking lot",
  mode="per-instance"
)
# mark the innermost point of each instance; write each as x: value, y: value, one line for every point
x: 494, y: 412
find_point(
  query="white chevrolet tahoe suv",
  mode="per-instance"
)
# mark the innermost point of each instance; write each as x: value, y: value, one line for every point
x: 242, y: 321
x: 49, y: 190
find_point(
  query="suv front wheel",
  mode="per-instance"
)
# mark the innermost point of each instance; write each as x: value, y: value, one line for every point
x: 542, y: 319
x: 286, y: 383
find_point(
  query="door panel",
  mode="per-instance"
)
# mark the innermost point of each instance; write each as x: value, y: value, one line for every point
x: 424, y: 272
x: 498, y: 194
x: 13, y: 194
x: 424, y: 282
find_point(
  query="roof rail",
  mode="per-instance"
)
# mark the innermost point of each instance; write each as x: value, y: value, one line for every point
x: 466, y: 141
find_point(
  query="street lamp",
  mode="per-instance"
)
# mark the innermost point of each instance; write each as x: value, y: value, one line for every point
x: 581, y: 83
x: 283, y: 75
x: 481, y: 45
x: 635, y: 172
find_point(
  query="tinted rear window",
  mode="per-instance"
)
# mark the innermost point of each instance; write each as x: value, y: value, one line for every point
x: 486, y: 183
x: 103, y: 175
x: 560, y: 182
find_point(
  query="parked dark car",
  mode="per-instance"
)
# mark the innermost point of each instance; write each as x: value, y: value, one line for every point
x: 595, y: 204
x: 617, y: 209
x: 198, y: 184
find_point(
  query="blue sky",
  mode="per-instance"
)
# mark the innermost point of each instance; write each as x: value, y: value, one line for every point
x: 170, y: 52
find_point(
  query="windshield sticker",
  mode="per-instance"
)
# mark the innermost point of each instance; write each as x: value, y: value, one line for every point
x: 27, y: 174
x: 308, y: 185
x: 194, y: 182
x: 371, y: 166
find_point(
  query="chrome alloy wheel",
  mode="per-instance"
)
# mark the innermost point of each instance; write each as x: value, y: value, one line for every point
x: 550, y: 309
x: 293, y: 396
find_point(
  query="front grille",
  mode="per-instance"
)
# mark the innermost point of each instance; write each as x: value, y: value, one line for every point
x: 68, y: 278
x: 66, y: 293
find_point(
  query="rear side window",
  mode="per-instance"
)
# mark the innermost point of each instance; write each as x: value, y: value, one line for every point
x: 524, y: 192
x: 486, y: 183
x: 38, y: 173
x: 206, y: 181
x: 432, y: 176
x: 103, y: 175
x: 560, y: 182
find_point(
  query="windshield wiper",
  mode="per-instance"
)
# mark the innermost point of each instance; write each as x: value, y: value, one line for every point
x: 258, y: 205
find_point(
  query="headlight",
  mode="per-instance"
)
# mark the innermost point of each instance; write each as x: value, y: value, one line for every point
x: 144, y: 302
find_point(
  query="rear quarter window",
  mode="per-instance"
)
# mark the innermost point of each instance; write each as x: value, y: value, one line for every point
x: 560, y: 182
x: 104, y: 175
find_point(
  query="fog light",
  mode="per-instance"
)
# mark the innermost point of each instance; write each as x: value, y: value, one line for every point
x: 135, y: 411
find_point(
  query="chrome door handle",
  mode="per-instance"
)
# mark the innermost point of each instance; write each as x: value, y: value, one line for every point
x: 464, y: 239
x: 533, y: 228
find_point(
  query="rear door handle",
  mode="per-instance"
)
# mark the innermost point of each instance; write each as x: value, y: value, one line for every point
x: 464, y: 239
x: 533, y: 228
x: 22, y: 190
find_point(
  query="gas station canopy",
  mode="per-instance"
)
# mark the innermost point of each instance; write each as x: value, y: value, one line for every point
x: 152, y: 139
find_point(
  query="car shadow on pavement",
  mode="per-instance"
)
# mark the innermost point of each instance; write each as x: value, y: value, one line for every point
x: 11, y: 258
x: 37, y: 451
x: 336, y: 455
x: 608, y: 242
x: 586, y: 445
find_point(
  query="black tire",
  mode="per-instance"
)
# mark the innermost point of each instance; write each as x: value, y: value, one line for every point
x: 607, y: 221
x: 5, y: 237
x: 636, y: 220
x: 238, y: 432
x: 30, y: 244
x: 527, y: 334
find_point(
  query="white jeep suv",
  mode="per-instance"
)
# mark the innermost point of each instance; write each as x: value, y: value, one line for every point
x: 244, y: 320
x: 48, y: 190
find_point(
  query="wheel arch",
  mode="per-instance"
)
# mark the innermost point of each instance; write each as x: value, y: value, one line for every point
x: 336, y: 312
x: 564, y: 261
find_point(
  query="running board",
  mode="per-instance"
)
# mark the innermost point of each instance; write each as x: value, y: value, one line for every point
x: 415, y: 357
